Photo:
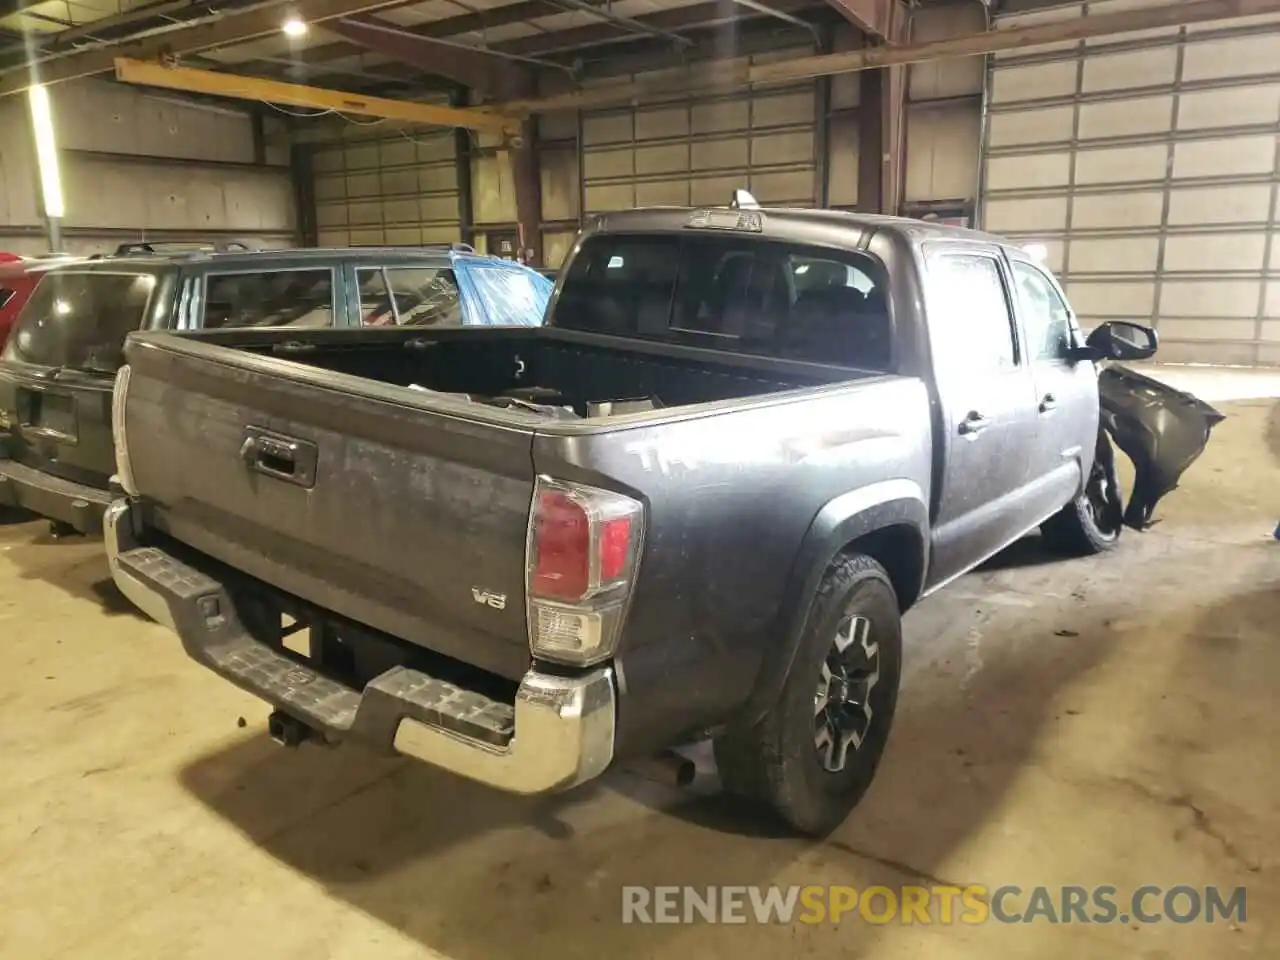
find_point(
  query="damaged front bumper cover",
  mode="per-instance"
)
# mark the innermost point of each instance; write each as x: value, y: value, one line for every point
x: 558, y: 733
x: 1163, y: 430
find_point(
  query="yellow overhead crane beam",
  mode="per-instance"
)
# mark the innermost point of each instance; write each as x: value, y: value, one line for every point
x: 191, y: 80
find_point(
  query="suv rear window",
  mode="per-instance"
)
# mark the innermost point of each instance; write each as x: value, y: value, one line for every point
x: 80, y: 320
x: 731, y: 292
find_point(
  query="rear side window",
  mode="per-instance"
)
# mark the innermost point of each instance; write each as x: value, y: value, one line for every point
x: 272, y: 298
x: 732, y: 292
x: 970, y: 323
x: 80, y: 320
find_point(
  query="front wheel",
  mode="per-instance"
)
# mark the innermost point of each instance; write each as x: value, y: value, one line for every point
x: 814, y: 755
x: 1091, y: 523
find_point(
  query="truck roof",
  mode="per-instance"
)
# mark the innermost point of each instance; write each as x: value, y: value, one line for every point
x: 795, y: 219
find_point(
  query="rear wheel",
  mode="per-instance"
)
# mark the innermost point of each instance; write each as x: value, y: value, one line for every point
x: 815, y: 753
x: 1091, y: 523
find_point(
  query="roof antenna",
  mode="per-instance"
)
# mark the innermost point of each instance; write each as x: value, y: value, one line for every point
x: 743, y: 201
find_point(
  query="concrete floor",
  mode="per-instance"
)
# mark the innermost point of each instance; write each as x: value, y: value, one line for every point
x: 1089, y: 722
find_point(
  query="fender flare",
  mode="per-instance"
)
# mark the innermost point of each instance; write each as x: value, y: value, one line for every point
x: 849, y: 516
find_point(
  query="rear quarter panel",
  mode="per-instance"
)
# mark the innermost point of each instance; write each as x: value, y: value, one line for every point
x: 730, y: 495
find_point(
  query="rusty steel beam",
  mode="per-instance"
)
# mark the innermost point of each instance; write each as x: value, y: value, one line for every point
x: 736, y: 75
x: 233, y: 28
x: 451, y: 27
x: 471, y: 67
x: 881, y: 140
x: 681, y: 18
x: 884, y: 20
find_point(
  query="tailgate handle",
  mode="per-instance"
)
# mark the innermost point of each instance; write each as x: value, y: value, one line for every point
x: 284, y: 458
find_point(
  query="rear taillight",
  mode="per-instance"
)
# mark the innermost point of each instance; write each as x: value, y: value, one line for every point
x: 124, y: 471
x: 583, y: 552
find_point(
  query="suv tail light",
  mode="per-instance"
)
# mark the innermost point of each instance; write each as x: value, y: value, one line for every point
x: 124, y: 471
x: 582, y: 557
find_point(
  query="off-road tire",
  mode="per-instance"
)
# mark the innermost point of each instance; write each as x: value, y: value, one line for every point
x: 777, y: 762
x: 1075, y: 531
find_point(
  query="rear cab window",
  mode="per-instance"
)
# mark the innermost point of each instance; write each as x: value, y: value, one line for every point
x: 79, y: 320
x: 268, y: 298
x: 735, y: 293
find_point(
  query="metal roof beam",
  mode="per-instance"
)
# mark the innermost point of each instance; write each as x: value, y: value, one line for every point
x: 884, y: 20
x: 472, y: 67
x: 231, y: 28
x: 679, y: 18
x: 736, y: 75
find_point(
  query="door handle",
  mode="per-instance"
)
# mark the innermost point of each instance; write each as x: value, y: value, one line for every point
x: 284, y: 458
x: 1048, y: 402
x: 973, y: 424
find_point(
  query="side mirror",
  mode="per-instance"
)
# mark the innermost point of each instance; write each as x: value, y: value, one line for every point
x: 1121, y: 340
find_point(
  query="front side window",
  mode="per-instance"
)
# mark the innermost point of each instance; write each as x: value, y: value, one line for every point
x: 508, y: 296
x: 1046, y: 319
x: 80, y: 320
x: 970, y: 323
x: 269, y: 298
x: 425, y: 296
x: 732, y: 292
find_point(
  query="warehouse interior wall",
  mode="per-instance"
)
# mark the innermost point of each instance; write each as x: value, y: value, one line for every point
x: 1145, y: 166
x: 137, y: 165
x: 793, y: 144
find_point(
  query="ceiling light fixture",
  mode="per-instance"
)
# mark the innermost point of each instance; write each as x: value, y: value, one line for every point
x: 46, y: 151
x: 294, y: 26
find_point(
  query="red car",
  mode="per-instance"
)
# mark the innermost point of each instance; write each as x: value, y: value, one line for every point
x: 18, y: 277
x: 16, y: 283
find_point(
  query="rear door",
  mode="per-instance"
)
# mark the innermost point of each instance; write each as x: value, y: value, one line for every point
x: 987, y: 400
x: 1066, y: 389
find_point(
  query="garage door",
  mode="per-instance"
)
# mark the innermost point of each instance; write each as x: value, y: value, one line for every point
x: 398, y: 190
x: 694, y: 152
x: 1145, y: 166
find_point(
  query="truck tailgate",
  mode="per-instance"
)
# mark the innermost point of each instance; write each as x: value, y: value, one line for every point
x: 339, y: 490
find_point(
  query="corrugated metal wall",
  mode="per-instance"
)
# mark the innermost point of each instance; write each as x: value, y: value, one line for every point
x: 944, y: 115
x: 675, y: 151
x: 400, y: 189
x: 1147, y: 165
x: 135, y: 165
x: 697, y: 151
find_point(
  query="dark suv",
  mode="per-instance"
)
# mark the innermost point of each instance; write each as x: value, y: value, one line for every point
x: 59, y: 365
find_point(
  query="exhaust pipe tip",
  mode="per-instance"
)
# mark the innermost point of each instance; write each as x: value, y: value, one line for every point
x: 667, y: 767
x: 286, y: 730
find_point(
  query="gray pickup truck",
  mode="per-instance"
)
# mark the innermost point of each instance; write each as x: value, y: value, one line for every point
x: 695, y: 503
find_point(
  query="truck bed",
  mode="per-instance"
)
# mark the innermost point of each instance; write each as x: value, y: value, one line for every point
x: 570, y: 370
x: 304, y: 461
